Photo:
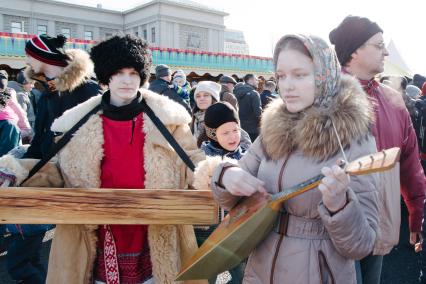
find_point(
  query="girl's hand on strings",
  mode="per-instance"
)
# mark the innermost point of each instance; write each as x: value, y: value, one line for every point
x: 333, y: 188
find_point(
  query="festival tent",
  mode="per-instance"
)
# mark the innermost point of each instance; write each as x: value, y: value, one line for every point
x: 394, y: 63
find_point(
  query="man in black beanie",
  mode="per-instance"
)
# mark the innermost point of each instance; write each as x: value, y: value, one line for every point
x: 361, y: 51
x: 350, y: 35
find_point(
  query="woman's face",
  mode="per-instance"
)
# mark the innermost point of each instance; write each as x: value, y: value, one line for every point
x: 228, y: 135
x: 296, y: 80
x: 203, y: 100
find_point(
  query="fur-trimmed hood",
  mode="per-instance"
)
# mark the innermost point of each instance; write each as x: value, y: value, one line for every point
x: 311, y: 131
x: 78, y: 70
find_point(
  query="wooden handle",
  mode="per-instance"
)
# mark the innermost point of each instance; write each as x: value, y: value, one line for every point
x: 377, y: 162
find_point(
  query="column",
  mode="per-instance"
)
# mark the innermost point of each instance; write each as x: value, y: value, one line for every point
x: 140, y: 31
x: 176, y: 37
x: 221, y: 41
x: 210, y: 41
x: 2, y: 23
x: 96, y: 33
x: 51, y: 28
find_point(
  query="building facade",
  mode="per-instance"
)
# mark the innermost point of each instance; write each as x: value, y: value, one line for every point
x: 181, y: 33
x: 235, y: 42
x: 163, y: 23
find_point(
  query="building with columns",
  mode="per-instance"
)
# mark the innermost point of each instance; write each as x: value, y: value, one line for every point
x: 181, y: 33
x: 164, y: 23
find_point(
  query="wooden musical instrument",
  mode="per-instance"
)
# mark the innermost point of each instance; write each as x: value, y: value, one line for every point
x: 253, y: 218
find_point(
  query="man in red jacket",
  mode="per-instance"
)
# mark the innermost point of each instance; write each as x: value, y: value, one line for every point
x: 361, y: 51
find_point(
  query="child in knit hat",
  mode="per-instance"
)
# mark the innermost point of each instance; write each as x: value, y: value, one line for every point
x: 206, y: 94
x: 222, y: 128
x: 223, y: 132
x: 182, y: 86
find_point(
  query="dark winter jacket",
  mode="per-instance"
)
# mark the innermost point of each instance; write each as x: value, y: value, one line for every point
x: 164, y: 88
x: 250, y: 109
x: 183, y: 91
x: 419, y: 124
x: 266, y: 97
x: 72, y: 88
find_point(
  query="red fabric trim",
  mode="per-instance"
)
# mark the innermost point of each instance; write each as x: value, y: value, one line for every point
x: 111, y: 260
x: 76, y: 40
x: 40, y: 44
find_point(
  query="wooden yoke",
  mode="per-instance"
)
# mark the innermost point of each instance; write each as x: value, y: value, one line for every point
x: 26, y: 205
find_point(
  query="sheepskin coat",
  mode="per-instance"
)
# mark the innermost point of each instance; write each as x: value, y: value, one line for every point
x: 73, y: 250
x: 318, y: 247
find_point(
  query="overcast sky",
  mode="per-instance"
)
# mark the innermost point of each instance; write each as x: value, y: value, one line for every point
x: 264, y: 22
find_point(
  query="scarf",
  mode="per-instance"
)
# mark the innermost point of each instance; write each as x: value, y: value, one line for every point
x: 326, y: 67
x: 212, y: 148
x: 121, y: 113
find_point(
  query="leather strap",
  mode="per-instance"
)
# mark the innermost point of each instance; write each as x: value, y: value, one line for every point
x: 169, y: 137
x: 283, y: 216
x: 56, y: 147
x: 283, y: 224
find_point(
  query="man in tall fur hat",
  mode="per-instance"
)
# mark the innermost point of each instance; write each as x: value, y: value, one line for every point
x: 120, y: 147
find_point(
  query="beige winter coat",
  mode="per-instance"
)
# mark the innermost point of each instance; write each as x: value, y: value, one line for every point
x: 318, y: 247
x: 73, y: 250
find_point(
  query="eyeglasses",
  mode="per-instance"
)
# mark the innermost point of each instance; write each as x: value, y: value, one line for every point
x: 380, y: 46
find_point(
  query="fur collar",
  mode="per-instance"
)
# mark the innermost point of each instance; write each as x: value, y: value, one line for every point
x: 311, y: 131
x: 80, y: 68
x: 168, y: 111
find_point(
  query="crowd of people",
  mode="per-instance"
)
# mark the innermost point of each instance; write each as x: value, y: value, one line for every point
x: 326, y: 102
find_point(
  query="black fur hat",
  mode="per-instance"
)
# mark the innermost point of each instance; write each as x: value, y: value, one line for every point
x: 120, y: 52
